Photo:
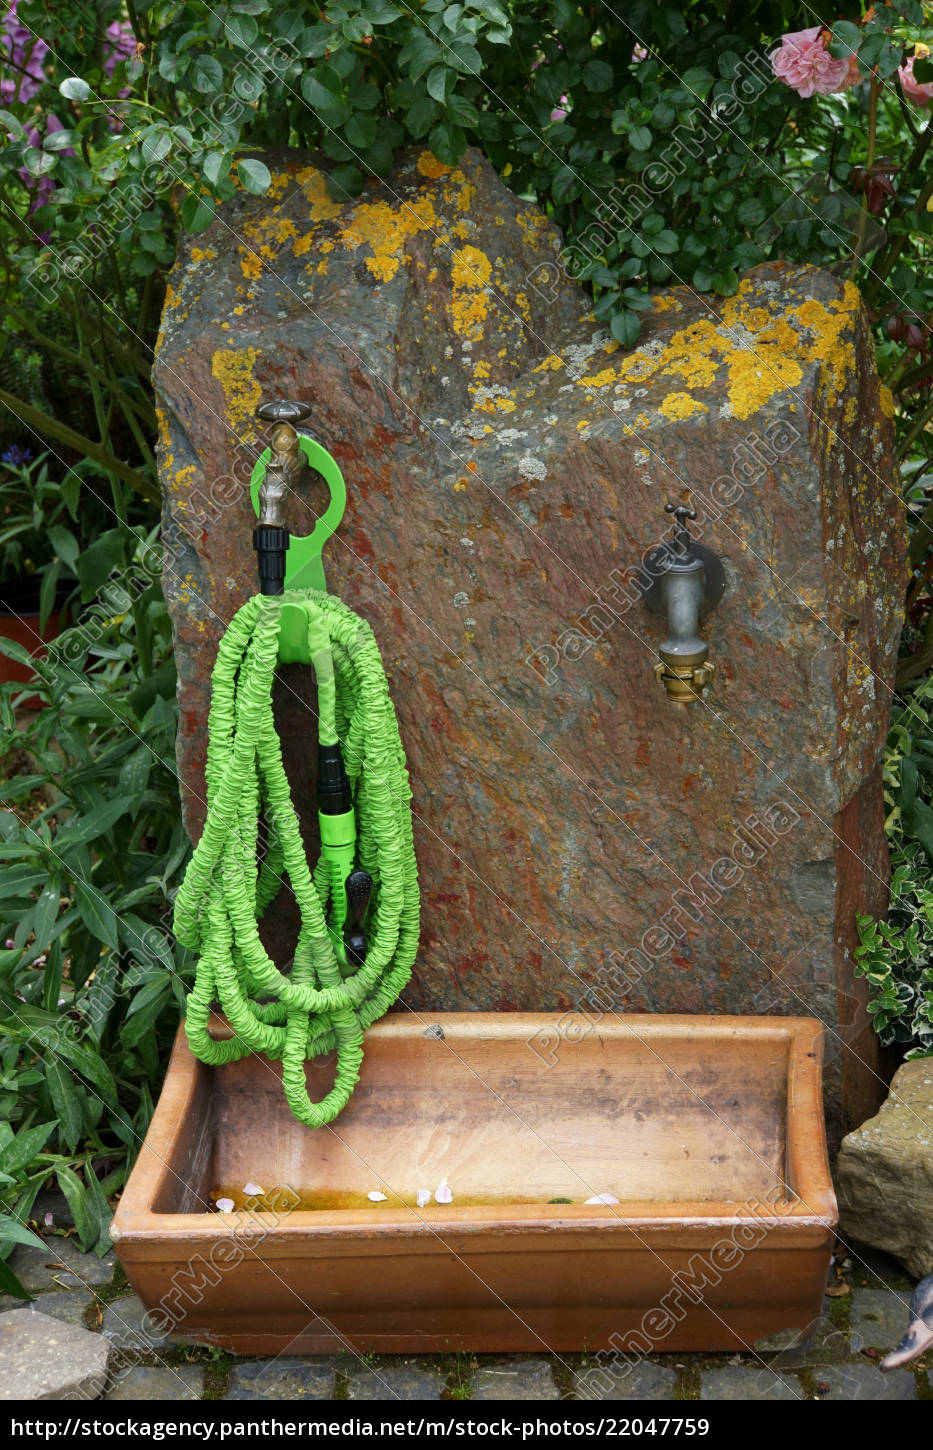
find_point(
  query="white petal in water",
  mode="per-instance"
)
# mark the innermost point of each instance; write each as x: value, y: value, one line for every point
x: 252, y: 1190
x: 603, y: 1198
x: 423, y: 1197
x: 225, y: 1205
x: 375, y: 1196
x: 442, y: 1192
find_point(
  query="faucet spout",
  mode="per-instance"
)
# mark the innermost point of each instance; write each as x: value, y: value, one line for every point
x: 684, y: 668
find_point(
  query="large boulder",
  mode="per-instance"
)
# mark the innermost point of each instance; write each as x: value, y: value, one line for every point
x: 507, y: 466
x: 884, y: 1174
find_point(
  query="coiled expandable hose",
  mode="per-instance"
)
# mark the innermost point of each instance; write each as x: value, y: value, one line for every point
x: 326, y: 1000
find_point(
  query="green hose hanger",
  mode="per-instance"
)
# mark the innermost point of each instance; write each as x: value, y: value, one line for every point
x: 359, y: 907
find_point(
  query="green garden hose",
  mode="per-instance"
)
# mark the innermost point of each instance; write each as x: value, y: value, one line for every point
x: 330, y: 995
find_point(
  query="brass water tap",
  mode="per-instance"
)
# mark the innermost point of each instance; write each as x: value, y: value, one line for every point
x: 683, y: 583
x: 287, y: 462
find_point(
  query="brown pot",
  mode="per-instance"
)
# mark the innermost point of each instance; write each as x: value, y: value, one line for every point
x: 20, y: 620
x: 708, y: 1130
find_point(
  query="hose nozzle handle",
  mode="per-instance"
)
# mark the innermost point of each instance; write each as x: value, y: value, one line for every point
x: 359, y: 890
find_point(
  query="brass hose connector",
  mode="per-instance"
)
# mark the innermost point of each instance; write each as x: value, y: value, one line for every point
x: 684, y: 683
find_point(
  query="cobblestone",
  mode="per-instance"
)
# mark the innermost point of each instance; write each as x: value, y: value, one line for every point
x: 880, y: 1316
x: 748, y: 1382
x: 864, y: 1382
x: 644, y: 1381
x: 43, y: 1359
x: 157, y: 1382
x: 128, y: 1326
x: 282, y: 1379
x: 526, y: 1379
x: 393, y: 1382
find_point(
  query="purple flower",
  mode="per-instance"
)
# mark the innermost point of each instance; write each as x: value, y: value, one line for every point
x: 15, y: 457
x: 24, y: 53
x: 122, y: 43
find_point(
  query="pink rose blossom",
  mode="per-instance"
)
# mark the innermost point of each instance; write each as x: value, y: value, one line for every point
x: 804, y: 64
x: 560, y: 110
x: 920, y: 92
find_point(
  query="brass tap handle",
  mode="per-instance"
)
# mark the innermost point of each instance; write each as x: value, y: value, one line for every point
x: 283, y: 410
x: 286, y: 462
x: 682, y: 512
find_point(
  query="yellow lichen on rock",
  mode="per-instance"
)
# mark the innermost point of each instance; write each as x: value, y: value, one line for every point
x: 429, y: 165
x: 233, y: 369
x: 681, y: 405
x: 321, y: 207
x: 469, y: 276
x: 385, y: 229
x: 762, y: 354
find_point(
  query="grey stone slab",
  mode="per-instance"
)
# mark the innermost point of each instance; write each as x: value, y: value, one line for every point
x: 880, y: 1316
x: 43, y: 1359
x: 644, y: 1381
x: 526, y: 1379
x: 157, y: 1382
x: 68, y: 1305
x: 749, y: 1383
x: 128, y: 1326
x: 282, y: 1379
x: 825, y: 1345
x: 60, y: 1264
x: 393, y: 1382
x: 864, y: 1382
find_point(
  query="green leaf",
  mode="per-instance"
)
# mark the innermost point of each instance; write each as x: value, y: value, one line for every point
x: 254, y: 175
x: 439, y: 81
x: 197, y: 213
x: 96, y: 563
x: 597, y: 75
x: 241, y: 30
x: 625, y: 328
x: 640, y: 138
x: 566, y: 185
x: 447, y: 142
x: 46, y: 913
x: 97, y: 914
x: 65, y: 1101
x: 156, y: 143
x: 99, y: 1212
x: 14, y: 1232
x: 207, y: 74
x: 22, y: 1150
x: 89, y: 827
x: 421, y: 116
x: 465, y: 57
x: 360, y: 131
x: 321, y: 88
x: 65, y: 544
x: 845, y: 39
x: 76, y: 1196
x: 9, y: 1284
x: 666, y: 242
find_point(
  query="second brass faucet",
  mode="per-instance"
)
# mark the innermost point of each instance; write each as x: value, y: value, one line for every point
x: 682, y: 584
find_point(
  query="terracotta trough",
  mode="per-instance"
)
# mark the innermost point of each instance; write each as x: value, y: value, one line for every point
x: 707, y: 1130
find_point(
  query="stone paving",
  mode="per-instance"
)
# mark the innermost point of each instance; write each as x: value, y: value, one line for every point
x: 85, y: 1335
